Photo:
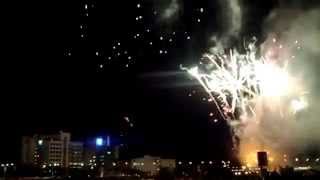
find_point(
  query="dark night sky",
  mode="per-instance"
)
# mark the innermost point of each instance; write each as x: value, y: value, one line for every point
x: 46, y: 89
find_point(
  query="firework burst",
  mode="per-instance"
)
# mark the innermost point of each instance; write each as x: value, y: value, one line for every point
x: 241, y: 83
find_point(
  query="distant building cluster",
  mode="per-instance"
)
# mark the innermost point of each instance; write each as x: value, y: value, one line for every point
x: 59, y: 150
x: 98, y: 157
x: 151, y: 165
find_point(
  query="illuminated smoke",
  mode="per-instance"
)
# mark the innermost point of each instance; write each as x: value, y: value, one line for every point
x: 268, y: 94
x: 234, y: 16
x: 168, y: 11
x: 171, y: 10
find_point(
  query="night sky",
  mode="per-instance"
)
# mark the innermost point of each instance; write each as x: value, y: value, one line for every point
x: 84, y: 66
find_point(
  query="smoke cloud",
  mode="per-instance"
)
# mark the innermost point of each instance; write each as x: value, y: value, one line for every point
x: 168, y: 11
x: 171, y: 10
x: 298, y: 29
x: 231, y: 22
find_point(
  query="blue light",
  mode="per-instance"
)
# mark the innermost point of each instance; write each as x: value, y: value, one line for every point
x: 99, y: 141
x: 108, y: 141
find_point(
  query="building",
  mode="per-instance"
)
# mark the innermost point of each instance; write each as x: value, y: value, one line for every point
x: 101, y: 153
x: 76, y: 154
x: 152, y: 165
x: 53, y: 149
x: 28, y: 150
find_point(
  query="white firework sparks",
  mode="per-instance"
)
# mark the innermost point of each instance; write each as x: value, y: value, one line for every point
x: 235, y: 80
x: 244, y: 85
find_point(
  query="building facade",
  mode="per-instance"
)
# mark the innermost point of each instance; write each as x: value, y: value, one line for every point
x: 152, y: 165
x: 54, y: 149
x: 76, y: 154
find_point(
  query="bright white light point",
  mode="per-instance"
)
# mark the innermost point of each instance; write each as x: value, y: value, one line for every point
x: 97, y: 53
x: 189, y: 94
x: 299, y: 47
x: 201, y: 10
x: 101, y: 65
x: 204, y: 99
x: 174, y: 33
x: 170, y: 40
x: 199, y: 20
x: 40, y: 142
x: 148, y: 30
x: 296, y: 42
x: 190, y: 162
x: 109, y: 58
x: 125, y: 52
x: 87, y: 14
x: 138, y: 35
x: 161, y: 38
x: 127, y: 65
x: 180, y: 162
x: 165, y: 51
x: 280, y: 46
x: 86, y: 6
x: 129, y: 57
x: 81, y: 26
x: 215, y: 120
x: 297, y: 159
x: 113, y: 47
x: 118, y: 54
x: 150, y: 43
x: 140, y: 17
x: 138, y: 5
x: 119, y: 44
x: 137, y: 18
x: 209, y: 100
x: 160, y: 51
x: 298, y: 105
x: 293, y: 57
x: 210, y: 162
x: 188, y: 37
x: 131, y: 125
x: 274, y: 40
x: 211, y: 114
x: 82, y: 35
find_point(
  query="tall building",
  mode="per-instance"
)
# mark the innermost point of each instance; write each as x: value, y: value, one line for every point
x: 101, y: 154
x: 28, y: 150
x: 76, y: 154
x: 54, y: 149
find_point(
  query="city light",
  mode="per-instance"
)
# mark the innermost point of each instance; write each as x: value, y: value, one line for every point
x: 99, y: 141
x: 40, y: 142
x: 108, y: 140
